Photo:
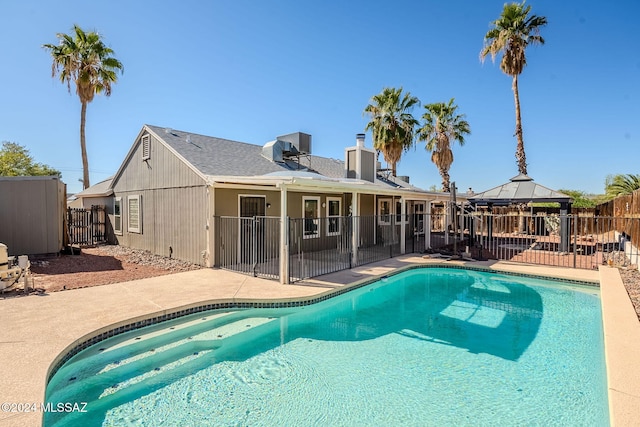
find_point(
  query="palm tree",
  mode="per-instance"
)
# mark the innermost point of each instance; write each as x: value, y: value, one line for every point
x: 441, y: 126
x: 511, y: 34
x: 83, y: 58
x: 619, y: 185
x: 392, y: 124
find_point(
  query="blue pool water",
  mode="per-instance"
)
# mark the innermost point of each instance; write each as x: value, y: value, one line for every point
x: 425, y: 347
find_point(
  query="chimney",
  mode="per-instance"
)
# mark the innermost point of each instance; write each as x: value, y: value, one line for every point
x: 360, y: 162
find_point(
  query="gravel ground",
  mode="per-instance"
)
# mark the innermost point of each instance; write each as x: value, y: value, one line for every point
x: 101, y: 265
x: 631, y: 279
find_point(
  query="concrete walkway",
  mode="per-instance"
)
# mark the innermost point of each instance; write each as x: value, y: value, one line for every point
x: 37, y: 329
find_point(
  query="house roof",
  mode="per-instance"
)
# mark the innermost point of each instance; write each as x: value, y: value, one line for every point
x: 224, y: 161
x: 519, y: 189
x: 217, y: 156
x: 101, y: 189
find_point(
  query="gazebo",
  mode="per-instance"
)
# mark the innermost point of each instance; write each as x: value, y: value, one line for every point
x: 522, y: 190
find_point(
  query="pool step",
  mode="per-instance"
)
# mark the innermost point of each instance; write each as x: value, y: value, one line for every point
x: 122, y: 374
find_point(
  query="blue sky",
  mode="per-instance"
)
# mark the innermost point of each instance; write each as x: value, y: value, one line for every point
x: 251, y: 70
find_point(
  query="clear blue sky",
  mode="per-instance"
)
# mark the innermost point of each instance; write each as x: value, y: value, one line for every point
x: 252, y: 70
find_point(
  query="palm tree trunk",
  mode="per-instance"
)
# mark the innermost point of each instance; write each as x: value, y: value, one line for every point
x: 520, y: 155
x: 393, y: 169
x: 446, y: 185
x: 83, y: 147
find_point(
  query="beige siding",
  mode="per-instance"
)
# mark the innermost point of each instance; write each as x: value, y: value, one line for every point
x: 227, y: 201
x: 173, y: 203
x: 32, y: 214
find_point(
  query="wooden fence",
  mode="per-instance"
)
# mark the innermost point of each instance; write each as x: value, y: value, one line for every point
x: 87, y: 227
x: 621, y: 208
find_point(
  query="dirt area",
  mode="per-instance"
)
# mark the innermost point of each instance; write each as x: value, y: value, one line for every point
x: 100, y: 265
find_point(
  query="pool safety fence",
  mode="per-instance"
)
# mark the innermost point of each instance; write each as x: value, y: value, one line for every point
x: 317, y: 246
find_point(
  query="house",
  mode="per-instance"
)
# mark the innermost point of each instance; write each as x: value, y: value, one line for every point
x: 100, y: 194
x: 218, y: 202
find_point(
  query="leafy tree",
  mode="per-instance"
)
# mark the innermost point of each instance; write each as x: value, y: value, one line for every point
x: 621, y: 184
x: 392, y: 124
x: 84, y: 59
x: 511, y: 34
x: 15, y: 160
x: 580, y: 199
x: 442, y: 124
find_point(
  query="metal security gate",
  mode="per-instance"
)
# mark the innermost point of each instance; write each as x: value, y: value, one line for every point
x: 249, y: 245
x: 87, y: 227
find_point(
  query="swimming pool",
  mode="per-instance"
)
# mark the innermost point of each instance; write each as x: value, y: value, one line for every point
x: 430, y: 346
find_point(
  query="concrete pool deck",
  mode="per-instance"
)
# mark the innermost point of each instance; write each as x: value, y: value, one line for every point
x: 37, y: 329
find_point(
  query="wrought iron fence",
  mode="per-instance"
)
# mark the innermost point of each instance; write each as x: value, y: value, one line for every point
x: 319, y: 246
x: 556, y: 240
x: 323, y: 245
x: 248, y: 245
x: 87, y: 227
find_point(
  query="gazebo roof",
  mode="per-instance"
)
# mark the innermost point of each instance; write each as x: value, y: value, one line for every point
x: 519, y: 189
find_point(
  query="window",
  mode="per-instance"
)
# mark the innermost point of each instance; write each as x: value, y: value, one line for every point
x: 311, y: 208
x: 146, y: 147
x: 117, y: 215
x: 418, y: 217
x: 334, y: 210
x: 384, y: 211
x: 399, y: 212
x: 134, y: 214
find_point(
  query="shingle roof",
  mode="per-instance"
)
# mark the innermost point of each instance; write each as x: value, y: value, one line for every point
x: 217, y: 156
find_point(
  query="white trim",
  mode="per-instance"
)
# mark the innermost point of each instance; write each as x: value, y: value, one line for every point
x: 136, y: 228
x: 329, y: 216
x: 315, y: 233
x: 117, y: 230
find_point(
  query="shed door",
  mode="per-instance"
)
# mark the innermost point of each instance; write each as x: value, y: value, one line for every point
x: 252, y: 211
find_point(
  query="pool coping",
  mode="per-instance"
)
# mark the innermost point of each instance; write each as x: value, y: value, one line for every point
x: 23, y: 378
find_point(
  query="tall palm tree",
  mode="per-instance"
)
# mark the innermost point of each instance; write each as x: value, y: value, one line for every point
x: 511, y: 34
x: 442, y: 124
x: 84, y: 59
x: 619, y: 185
x: 392, y: 124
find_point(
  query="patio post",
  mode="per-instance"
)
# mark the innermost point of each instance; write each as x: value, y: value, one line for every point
x: 284, y: 237
x: 403, y: 225
x: 565, y: 230
x: 355, y: 227
x: 427, y: 226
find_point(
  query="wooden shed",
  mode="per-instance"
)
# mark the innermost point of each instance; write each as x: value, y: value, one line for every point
x: 32, y: 211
